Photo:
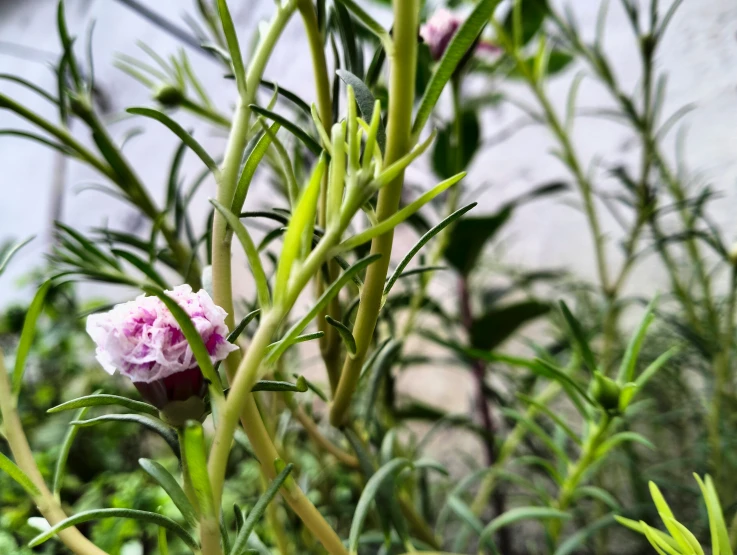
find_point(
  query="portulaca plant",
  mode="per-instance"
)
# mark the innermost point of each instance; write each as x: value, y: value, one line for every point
x: 217, y: 364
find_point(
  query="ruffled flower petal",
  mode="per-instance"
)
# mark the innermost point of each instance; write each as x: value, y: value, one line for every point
x: 143, y: 340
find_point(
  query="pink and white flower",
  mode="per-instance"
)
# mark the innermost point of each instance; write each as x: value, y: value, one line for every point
x: 143, y: 341
x: 438, y: 30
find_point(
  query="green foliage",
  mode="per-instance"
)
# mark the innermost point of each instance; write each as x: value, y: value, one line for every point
x: 570, y: 419
x: 678, y: 539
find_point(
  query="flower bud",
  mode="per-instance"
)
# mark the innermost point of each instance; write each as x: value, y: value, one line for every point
x: 439, y: 30
x: 605, y: 392
x: 168, y: 95
x: 143, y: 341
x: 733, y: 255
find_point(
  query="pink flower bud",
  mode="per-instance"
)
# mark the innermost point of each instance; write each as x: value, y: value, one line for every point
x: 438, y: 30
x: 143, y: 341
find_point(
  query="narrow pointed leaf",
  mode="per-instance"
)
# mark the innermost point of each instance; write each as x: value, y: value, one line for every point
x: 272, y: 385
x: 238, y: 330
x: 421, y: 243
x: 311, y: 144
x: 102, y: 400
x: 155, y: 426
x: 390, y: 469
x: 39, y: 139
x: 172, y: 488
x: 240, y: 544
x: 180, y: 132
x: 20, y: 477
x: 345, y: 334
x: 97, y: 514
x: 28, y: 333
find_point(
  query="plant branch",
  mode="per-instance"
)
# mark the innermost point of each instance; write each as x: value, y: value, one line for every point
x: 403, y: 66
x: 47, y: 505
x: 330, y: 344
x: 314, y: 432
x: 228, y: 176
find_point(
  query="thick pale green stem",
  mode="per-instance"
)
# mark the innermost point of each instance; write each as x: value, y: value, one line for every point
x: 241, y: 404
x: 228, y: 176
x: 403, y: 66
x: 330, y: 344
x: 47, y: 505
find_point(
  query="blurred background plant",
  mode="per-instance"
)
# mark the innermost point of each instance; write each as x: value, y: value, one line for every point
x: 563, y: 439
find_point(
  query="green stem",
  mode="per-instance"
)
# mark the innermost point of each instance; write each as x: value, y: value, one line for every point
x: 228, y: 175
x: 585, y: 187
x: 241, y: 404
x: 188, y: 487
x: 721, y: 367
x: 403, y: 67
x: 330, y: 344
x: 45, y: 502
x: 577, y: 472
x: 443, y: 239
x: 508, y: 447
